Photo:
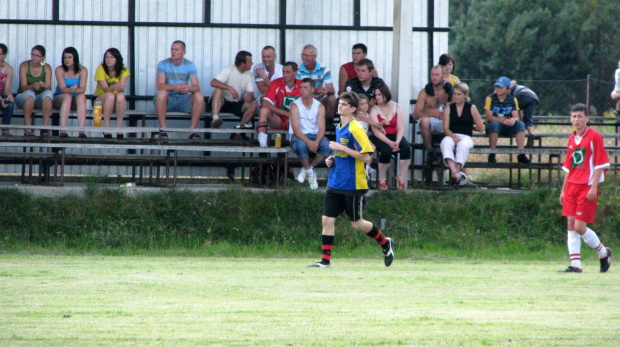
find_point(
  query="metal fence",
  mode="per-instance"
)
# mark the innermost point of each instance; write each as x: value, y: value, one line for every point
x: 556, y: 96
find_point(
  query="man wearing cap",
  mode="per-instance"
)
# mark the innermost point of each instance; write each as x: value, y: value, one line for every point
x: 528, y: 100
x: 502, y: 114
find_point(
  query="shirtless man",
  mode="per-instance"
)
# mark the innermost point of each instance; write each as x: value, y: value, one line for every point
x: 429, y: 108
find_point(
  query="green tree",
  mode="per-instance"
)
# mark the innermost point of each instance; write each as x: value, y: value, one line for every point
x: 535, y: 40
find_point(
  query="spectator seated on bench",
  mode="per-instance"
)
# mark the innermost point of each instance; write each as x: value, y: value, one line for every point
x: 458, y: 121
x: 234, y: 92
x: 502, y: 115
x: 173, y: 91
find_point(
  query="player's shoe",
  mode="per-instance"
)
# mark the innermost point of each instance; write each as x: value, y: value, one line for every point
x: 312, y: 180
x: 301, y: 178
x: 606, y: 262
x: 572, y: 269
x: 320, y: 264
x: 262, y: 140
x: 388, y: 252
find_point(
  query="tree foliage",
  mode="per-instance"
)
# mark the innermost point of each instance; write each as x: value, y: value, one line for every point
x: 535, y: 39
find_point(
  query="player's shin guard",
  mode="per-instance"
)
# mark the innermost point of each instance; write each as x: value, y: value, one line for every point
x: 573, y: 241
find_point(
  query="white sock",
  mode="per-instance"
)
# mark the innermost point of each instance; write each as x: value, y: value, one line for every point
x: 309, y: 171
x: 216, y: 116
x: 573, y: 241
x: 592, y: 240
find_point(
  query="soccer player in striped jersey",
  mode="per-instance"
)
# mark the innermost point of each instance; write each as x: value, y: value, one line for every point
x: 585, y: 164
x: 347, y: 183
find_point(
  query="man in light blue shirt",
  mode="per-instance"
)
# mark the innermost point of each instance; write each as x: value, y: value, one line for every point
x: 174, y: 93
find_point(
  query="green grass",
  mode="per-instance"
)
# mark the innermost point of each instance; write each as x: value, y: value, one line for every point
x: 208, y: 301
x: 468, y: 223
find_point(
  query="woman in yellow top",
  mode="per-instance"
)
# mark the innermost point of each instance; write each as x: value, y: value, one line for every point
x: 111, y: 77
x: 447, y: 61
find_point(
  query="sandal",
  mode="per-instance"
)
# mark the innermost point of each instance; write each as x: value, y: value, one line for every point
x: 383, y: 186
x: 401, y: 186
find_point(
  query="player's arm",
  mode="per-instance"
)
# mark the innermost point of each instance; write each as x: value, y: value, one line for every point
x: 563, y: 188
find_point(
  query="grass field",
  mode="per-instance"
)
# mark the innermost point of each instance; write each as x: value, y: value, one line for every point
x: 49, y: 300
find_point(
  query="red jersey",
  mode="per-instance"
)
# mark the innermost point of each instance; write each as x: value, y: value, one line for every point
x: 279, y: 94
x: 586, y: 153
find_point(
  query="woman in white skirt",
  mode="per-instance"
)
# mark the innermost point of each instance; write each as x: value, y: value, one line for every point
x: 459, y: 120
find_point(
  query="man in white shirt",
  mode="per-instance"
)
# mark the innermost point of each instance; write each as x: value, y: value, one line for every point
x: 266, y: 72
x: 307, y: 131
x: 234, y: 92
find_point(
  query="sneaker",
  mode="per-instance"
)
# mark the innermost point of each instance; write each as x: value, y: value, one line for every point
x: 492, y: 158
x: 606, y: 262
x: 389, y: 252
x: 523, y: 159
x: 194, y: 136
x: 217, y: 123
x: 82, y: 136
x: 572, y: 269
x: 312, y: 180
x: 369, y: 172
x: 120, y: 136
x: 301, y: 178
x: 245, y: 126
x: 107, y: 136
x: 262, y: 140
x: 320, y: 264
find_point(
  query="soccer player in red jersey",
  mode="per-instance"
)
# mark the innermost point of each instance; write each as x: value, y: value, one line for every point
x: 585, y: 164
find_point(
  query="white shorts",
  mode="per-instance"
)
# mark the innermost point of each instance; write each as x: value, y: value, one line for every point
x: 436, y: 125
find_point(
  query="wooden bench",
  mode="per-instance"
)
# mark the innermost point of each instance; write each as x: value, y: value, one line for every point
x: 51, y: 151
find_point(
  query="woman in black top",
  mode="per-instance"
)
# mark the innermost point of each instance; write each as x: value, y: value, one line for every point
x: 459, y: 120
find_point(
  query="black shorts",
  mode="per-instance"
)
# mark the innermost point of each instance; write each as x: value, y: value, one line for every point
x: 334, y: 203
x: 233, y: 107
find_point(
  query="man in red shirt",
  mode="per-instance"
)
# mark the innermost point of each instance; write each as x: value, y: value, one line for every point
x: 585, y: 164
x: 275, y: 109
x: 347, y: 70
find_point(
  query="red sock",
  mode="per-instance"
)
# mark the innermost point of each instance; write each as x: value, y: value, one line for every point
x: 377, y: 235
x: 327, y: 242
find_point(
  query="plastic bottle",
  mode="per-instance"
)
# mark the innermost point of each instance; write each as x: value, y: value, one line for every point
x: 98, y: 110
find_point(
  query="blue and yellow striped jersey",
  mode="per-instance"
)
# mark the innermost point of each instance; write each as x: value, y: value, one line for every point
x: 348, y: 173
